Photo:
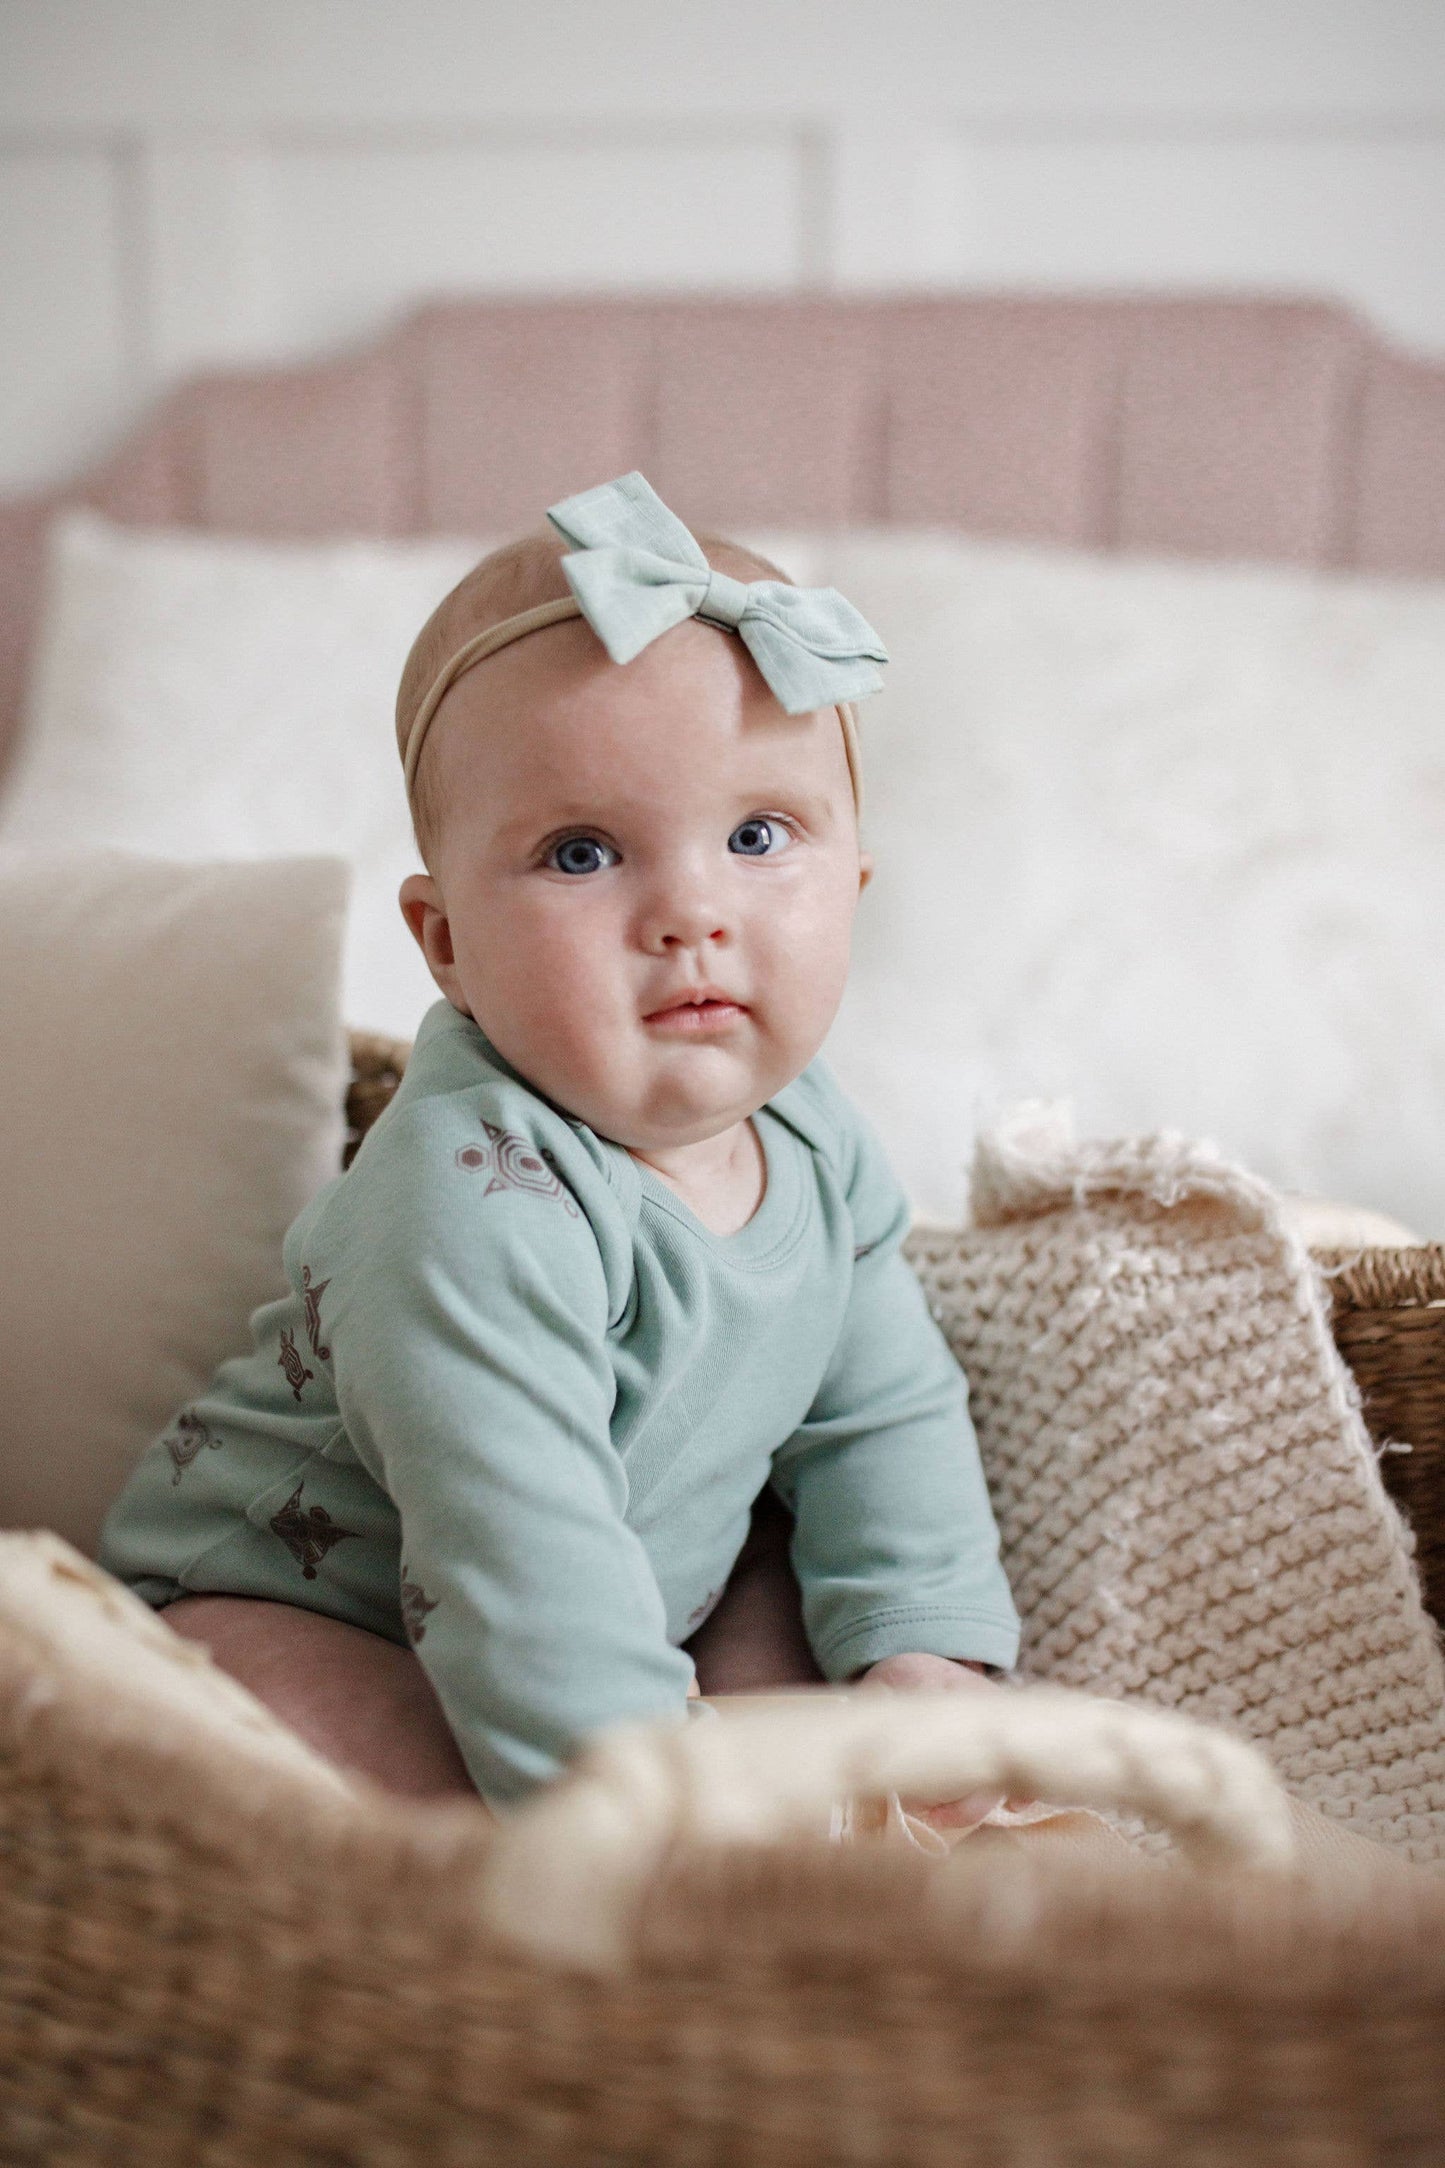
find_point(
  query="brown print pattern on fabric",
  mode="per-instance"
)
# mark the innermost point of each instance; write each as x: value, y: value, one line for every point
x: 308, y: 1535
x: 513, y: 1162
x: 704, y: 1610
x: 312, y: 1298
x: 415, y: 1604
x: 292, y: 1362
x: 185, y: 1439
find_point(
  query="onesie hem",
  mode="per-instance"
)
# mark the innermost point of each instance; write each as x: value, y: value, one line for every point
x: 977, y: 1637
x: 155, y: 1589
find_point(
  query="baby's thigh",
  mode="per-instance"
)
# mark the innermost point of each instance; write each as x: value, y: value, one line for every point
x: 361, y: 1702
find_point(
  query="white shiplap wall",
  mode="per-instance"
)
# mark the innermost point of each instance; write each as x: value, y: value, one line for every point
x: 188, y: 181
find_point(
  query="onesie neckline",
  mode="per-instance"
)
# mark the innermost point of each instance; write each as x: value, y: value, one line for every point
x: 774, y: 1228
x: 763, y: 1241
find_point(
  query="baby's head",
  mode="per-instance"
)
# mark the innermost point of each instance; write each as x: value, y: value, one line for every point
x: 604, y: 841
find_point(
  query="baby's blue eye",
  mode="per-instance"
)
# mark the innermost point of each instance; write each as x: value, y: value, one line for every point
x: 581, y: 854
x: 759, y: 838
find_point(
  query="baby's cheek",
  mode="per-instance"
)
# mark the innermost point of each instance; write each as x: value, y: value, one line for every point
x: 807, y: 952
x: 556, y: 952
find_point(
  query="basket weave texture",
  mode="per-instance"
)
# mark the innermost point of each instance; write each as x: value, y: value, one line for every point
x: 205, y: 1975
x: 1388, y: 1318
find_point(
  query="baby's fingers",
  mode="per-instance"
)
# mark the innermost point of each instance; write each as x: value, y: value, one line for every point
x: 965, y: 1813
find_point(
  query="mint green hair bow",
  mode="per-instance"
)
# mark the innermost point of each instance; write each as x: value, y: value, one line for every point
x: 636, y: 572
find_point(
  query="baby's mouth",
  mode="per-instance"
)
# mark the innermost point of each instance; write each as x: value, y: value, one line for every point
x: 696, y: 1014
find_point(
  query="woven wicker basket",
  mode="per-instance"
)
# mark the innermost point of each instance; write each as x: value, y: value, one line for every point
x: 199, y: 1977
x: 1388, y: 1316
x: 1389, y: 1324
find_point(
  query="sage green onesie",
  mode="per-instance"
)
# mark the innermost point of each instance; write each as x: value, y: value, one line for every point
x: 519, y: 1401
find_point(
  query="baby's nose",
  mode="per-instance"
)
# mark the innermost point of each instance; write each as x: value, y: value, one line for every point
x: 689, y: 928
x: 685, y: 911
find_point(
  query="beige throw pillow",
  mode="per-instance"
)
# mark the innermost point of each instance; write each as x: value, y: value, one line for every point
x: 203, y: 696
x: 172, y: 1069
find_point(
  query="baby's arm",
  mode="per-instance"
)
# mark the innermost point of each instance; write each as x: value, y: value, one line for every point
x: 468, y: 1334
x: 895, y: 1546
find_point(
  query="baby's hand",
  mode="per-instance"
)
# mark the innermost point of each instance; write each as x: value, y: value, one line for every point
x: 906, y: 1674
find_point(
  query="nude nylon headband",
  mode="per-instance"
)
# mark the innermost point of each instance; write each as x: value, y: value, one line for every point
x: 486, y: 643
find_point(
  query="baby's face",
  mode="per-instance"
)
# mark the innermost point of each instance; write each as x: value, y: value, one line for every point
x: 616, y: 840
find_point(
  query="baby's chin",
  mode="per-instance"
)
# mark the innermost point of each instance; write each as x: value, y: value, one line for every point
x: 678, y: 1096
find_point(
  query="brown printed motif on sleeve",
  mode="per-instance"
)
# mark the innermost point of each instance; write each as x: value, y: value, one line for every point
x: 312, y: 1298
x: 185, y: 1439
x: 293, y: 1363
x: 308, y: 1535
x: 704, y: 1610
x: 415, y: 1604
x: 513, y: 1162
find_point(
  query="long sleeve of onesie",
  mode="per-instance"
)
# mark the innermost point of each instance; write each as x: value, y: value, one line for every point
x: 475, y: 1386
x: 895, y: 1546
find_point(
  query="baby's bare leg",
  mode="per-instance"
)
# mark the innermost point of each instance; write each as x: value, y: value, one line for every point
x: 361, y: 1702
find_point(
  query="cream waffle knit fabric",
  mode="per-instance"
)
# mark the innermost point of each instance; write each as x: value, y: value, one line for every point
x: 1189, y: 1502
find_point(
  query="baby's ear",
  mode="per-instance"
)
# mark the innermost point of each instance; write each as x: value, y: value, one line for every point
x: 424, y: 909
x: 419, y: 898
x: 865, y: 870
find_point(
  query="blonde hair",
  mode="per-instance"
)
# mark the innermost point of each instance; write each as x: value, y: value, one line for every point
x: 515, y: 577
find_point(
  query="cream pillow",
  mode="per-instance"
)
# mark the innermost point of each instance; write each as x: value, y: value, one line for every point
x: 1167, y: 839
x: 172, y: 1072
x: 201, y: 696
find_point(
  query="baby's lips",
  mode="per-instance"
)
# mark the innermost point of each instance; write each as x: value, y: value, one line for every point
x: 693, y: 997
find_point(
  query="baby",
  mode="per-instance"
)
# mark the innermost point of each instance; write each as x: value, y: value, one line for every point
x: 619, y: 1254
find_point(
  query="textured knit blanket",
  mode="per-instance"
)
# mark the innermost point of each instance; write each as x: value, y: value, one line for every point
x: 1190, y: 1504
